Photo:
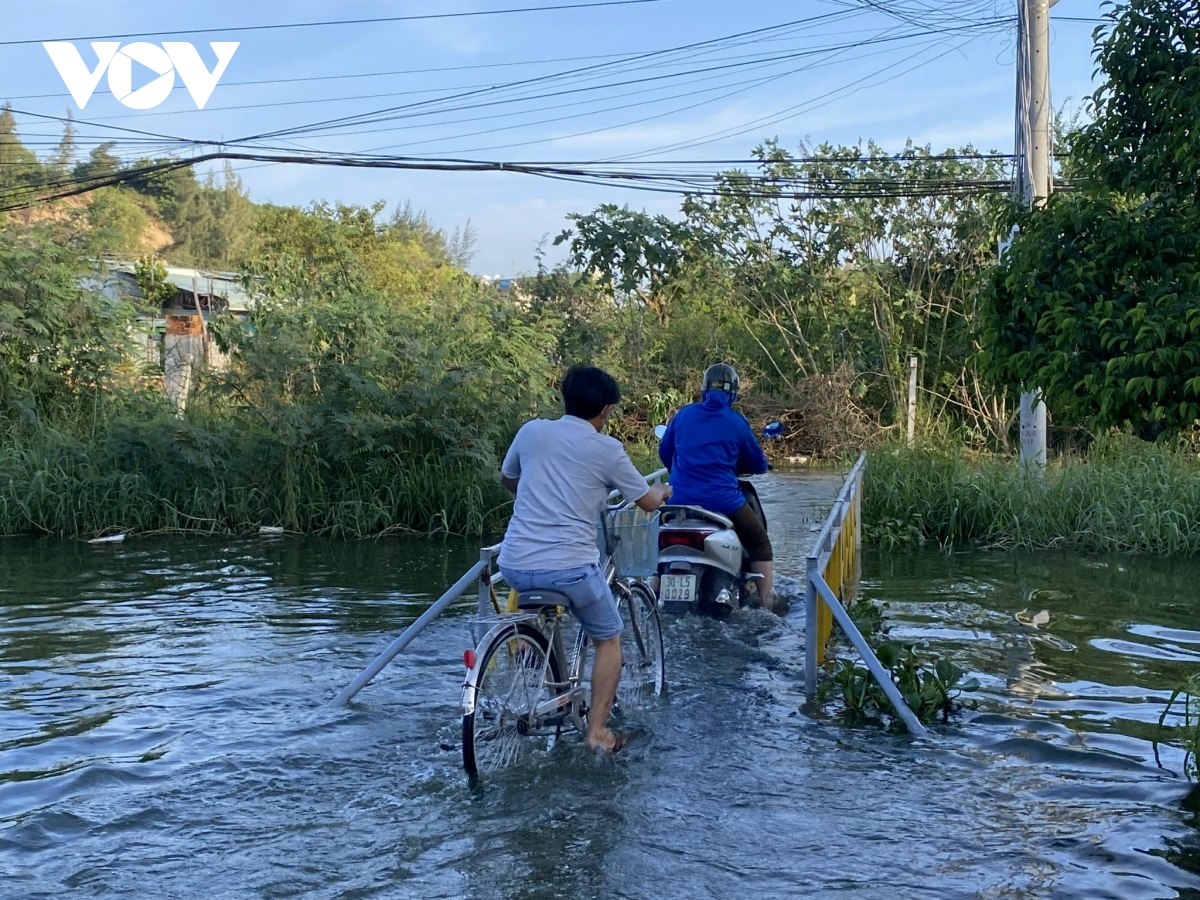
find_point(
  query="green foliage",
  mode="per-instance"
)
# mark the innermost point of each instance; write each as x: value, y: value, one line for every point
x: 18, y: 166
x: 212, y: 223
x: 118, y: 221
x: 1125, y: 495
x: 867, y: 280
x: 1184, y: 703
x: 1142, y: 139
x: 1095, y: 301
x: 635, y: 253
x: 151, y: 278
x: 581, y: 316
x: 62, y: 349
x: 868, y: 618
x: 348, y: 409
x: 793, y: 292
x: 409, y: 225
x: 101, y: 162
x: 929, y: 687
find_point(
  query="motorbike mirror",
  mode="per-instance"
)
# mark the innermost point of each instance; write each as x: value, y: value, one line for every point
x: 659, y: 431
x: 773, y: 430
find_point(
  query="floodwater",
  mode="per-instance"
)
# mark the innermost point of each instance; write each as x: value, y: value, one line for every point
x: 165, y: 733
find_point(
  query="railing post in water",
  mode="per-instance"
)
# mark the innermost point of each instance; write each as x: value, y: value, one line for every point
x: 485, y: 581
x: 482, y: 570
x: 858, y: 523
x: 409, y: 633
x: 881, y: 675
x: 810, y: 627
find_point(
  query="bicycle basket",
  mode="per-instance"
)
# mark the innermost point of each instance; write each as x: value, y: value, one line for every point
x: 635, y: 542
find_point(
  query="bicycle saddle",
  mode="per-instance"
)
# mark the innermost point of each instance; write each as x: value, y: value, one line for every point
x: 540, y: 598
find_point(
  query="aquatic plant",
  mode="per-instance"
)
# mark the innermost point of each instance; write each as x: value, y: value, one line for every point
x: 1184, y: 702
x: 929, y: 687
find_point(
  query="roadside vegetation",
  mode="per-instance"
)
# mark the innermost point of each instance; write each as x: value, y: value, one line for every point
x: 1124, y: 495
x: 375, y: 382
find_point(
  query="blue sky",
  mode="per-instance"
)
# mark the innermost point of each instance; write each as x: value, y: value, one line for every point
x: 842, y: 73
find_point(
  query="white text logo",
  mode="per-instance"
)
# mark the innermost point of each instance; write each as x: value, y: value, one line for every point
x: 164, y: 61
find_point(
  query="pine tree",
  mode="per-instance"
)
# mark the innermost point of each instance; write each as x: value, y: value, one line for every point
x: 64, y: 156
x: 18, y: 166
x: 101, y: 162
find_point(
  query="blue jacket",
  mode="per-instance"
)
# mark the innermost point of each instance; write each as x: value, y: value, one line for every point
x: 707, y: 445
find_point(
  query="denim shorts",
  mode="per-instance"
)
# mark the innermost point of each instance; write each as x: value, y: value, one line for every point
x: 592, y: 602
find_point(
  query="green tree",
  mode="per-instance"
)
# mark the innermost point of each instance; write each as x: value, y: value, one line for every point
x: 64, y: 155
x: 19, y: 167
x: 62, y: 346
x: 212, y: 223
x: 871, y: 269
x: 635, y: 253
x: 118, y: 221
x: 101, y: 162
x: 1096, y: 299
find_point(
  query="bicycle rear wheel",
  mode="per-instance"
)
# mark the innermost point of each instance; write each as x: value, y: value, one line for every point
x: 516, y: 673
x: 643, y: 666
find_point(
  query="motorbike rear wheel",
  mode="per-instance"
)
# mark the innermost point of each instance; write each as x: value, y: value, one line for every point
x: 712, y: 583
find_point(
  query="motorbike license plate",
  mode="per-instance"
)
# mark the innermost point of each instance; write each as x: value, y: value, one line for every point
x: 677, y: 588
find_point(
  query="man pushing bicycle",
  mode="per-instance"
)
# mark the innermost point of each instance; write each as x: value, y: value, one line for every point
x: 562, y: 471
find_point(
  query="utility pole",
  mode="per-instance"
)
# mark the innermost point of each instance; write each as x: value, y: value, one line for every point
x: 1034, y: 174
x: 912, y: 400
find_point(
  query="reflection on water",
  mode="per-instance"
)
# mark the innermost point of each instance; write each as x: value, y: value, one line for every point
x: 164, y: 732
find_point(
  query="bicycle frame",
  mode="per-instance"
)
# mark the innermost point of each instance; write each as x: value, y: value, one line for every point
x: 553, y: 634
x: 572, y: 687
x: 569, y: 696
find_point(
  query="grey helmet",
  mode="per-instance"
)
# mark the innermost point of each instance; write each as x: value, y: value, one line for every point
x: 721, y: 377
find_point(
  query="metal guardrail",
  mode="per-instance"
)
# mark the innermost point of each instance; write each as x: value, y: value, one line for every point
x: 832, y: 568
x: 481, y: 570
x: 831, y: 573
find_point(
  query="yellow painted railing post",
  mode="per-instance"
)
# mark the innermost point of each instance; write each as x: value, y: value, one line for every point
x: 835, y: 560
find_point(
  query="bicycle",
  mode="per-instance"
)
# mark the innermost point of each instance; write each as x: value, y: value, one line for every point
x: 523, y: 689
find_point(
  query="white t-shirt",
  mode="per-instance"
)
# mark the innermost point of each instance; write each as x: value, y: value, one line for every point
x: 566, y: 470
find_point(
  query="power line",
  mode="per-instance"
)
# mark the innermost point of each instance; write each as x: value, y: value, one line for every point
x: 738, y: 85
x: 750, y: 60
x: 257, y: 82
x: 788, y: 112
x: 696, y: 183
x: 738, y: 88
x: 333, y: 22
x: 366, y: 118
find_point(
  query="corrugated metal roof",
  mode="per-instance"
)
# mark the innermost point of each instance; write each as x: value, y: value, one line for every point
x: 216, y: 284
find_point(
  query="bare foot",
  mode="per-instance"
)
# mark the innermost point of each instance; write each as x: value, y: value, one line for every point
x: 612, y: 741
x: 602, y: 742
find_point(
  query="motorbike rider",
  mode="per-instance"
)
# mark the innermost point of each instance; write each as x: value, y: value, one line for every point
x: 706, y: 446
x: 561, y: 472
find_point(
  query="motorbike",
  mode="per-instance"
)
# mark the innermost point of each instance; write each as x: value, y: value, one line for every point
x: 702, y: 566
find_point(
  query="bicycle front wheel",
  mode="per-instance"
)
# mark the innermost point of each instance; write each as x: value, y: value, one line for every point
x: 643, y: 666
x: 516, y: 673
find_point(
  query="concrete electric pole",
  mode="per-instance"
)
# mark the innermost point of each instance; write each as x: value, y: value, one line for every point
x: 1034, y: 174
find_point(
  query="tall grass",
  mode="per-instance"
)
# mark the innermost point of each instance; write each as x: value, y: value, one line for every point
x: 1125, y: 495
x: 53, y: 484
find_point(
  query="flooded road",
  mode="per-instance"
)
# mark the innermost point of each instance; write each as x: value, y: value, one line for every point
x: 165, y: 733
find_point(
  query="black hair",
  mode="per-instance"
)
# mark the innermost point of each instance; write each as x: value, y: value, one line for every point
x: 586, y: 390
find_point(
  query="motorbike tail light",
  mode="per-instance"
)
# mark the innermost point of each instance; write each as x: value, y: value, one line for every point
x: 690, y: 537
